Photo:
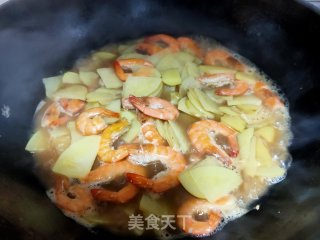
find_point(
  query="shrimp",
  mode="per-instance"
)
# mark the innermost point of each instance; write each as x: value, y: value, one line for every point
x: 73, y: 198
x: 189, y: 45
x: 193, y: 208
x: 204, y: 135
x: 106, y: 152
x: 123, y: 67
x: 223, y: 58
x: 219, y: 80
x: 53, y: 117
x: 268, y: 98
x: 71, y: 106
x: 91, y: 122
x: 145, y: 154
x: 158, y: 42
x: 109, y: 172
x: 150, y: 134
x: 155, y: 107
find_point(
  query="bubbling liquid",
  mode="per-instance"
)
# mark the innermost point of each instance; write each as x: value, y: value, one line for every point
x: 176, y: 77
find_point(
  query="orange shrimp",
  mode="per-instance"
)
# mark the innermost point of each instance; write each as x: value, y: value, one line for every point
x: 53, y: 117
x: 219, y: 80
x: 109, y: 172
x: 71, y: 106
x: 158, y: 42
x: 148, y: 48
x: 123, y: 67
x: 190, y: 45
x: 145, y: 154
x: 204, y: 134
x: 223, y: 58
x: 106, y: 152
x: 91, y: 122
x: 155, y: 107
x: 151, y: 134
x: 73, y: 198
x: 188, y: 212
x: 236, y: 89
x: 269, y: 99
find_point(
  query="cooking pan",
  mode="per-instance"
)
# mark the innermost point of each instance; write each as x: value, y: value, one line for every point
x: 42, y: 38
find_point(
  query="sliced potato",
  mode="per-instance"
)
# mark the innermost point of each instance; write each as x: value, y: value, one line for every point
x: 207, y: 103
x: 157, y: 92
x: 267, y: 132
x: 190, y: 70
x: 235, y: 122
x: 103, y: 96
x: 72, y: 92
x: 60, y: 138
x: 77, y: 160
x: 184, y: 57
x: 251, y: 164
x: 211, y: 180
x: 103, y: 56
x: 161, y: 129
x: 192, y: 109
x: 171, y: 77
x: 188, y: 83
x: 263, y: 153
x: 109, y: 78
x: 71, y: 78
x: 140, y: 86
x: 133, y: 131
x: 74, y: 133
x: 246, y: 77
x: 180, y: 136
x: 246, y: 108
x: 245, y: 100
x: 169, y: 61
x: 182, y: 106
x: 89, y: 78
x: 261, y: 116
x: 228, y: 110
x: 273, y: 171
x: 193, y: 98
x: 92, y: 105
x: 244, y: 140
x: 51, y: 85
x: 129, y: 115
x: 114, y: 105
x: 190, y: 185
x: 38, y: 142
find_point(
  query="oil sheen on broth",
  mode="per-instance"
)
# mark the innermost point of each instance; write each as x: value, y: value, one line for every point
x: 162, y: 128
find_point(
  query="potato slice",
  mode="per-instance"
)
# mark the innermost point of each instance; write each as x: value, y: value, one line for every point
x: 89, y: 78
x: 235, y: 122
x: 77, y: 160
x: 196, y: 103
x: 74, y: 133
x: 71, y: 78
x: 38, y: 142
x: 180, y: 136
x: 263, y: 153
x: 114, y: 106
x: 171, y: 77
x: 140, y: 86
x: 169, y: 61
x: 51, y: 85
x: 133, y: 131
x: 212, y: 181
x: 60, y: 138
x: 272, y: 171
x: 72, y: 92
x: 207, y: 103
x: 109, y: 78
x: 228, y: 111
x: 183, y: 107
x: 190, y: 70
x: 246, y: 77
x: 244, y: 140
x: 103, y: 95
x: 246, y: 99
x: 129, y: 115
x: 250, y: 164
x: 267, y: 132
x: 189, y: 184
x: 103, y: 56
x: 184, y: 57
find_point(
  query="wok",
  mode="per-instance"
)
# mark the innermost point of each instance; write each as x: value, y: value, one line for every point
x: 42, y: 38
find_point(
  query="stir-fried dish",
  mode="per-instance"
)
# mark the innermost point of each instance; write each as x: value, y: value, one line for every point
x: 161, y: 136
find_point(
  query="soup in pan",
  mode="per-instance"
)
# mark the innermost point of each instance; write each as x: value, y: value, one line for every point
x: 161, y: 136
